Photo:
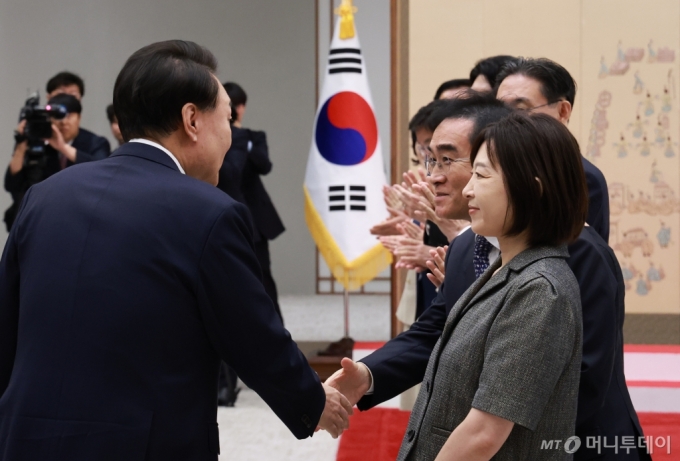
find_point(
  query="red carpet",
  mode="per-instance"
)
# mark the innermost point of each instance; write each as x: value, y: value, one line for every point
x: 375, y: 435
x: 660, y: 426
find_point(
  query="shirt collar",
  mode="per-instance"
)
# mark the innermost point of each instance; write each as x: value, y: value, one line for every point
x: 158, y: 146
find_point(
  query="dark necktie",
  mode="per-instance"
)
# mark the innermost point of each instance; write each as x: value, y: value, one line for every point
x: 481, y: 257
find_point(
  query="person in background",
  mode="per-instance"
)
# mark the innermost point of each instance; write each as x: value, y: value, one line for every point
x: 69, y: 144
x: 452, y: 88
x: 542, y: 85
x: 66, y: 83
x: 504, y: 375
x: 483, y: 75
x: 124, y: 283
x: 603, y: 403
x: 239, y: 176
x: 113, y: 122
x: 267, y: 224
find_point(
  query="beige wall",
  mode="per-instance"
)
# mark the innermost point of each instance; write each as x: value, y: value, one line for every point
x: 448, y: 36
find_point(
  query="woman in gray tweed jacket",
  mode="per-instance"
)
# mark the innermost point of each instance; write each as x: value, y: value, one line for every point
x: 502, y: 381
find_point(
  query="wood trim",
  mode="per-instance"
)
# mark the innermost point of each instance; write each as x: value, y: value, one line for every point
x: 399, y: 47
x: 316, y: 58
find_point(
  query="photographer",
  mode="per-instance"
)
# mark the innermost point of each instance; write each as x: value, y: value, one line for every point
x: 68, y: 83
x: 68, y: 145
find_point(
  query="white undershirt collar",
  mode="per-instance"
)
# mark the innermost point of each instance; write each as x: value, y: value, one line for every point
x: 158, y: 146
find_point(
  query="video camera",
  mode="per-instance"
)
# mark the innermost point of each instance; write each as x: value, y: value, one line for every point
x: 38, y: 128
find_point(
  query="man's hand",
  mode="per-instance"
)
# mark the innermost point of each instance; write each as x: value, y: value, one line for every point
x: 353, y: 380
x: 335, y: 416
x: 436, y: 265
x: 22, y: 126
x: 58, y: 143
x: 412, y: 254
x: 388, y: 226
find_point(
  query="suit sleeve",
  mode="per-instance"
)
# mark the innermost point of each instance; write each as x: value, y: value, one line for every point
x: 9, y: 302
x: 246, y: 331
x: 258, y: 156
x: 599, y: 306
x: 100, y: 150
x: 400, y: 364
x: 598, y: 203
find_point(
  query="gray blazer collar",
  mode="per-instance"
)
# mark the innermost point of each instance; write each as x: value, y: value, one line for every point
x: 488, y: 282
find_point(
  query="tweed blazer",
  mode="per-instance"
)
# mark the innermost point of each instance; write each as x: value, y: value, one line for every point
x: 511, y: 347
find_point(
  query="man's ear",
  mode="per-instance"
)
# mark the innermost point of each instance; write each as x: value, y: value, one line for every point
x: 564, y: 111
x: 540, y: 185
x: 189, y: 119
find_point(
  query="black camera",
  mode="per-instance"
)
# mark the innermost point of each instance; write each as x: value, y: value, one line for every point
x: 39, y: 119
x: 38, y: 128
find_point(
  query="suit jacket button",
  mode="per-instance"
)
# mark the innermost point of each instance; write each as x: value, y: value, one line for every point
x: 427, y: 386
x: 307, y: 422
x: 411, y: 434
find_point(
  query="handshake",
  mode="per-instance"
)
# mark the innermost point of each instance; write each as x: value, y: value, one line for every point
x: 343, y: 390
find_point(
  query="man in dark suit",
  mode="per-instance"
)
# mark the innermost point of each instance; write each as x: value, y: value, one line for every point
x: 542, y: 85
x: 250, y: 162
x: 604, y: 406
x: 124, y: 283
x: 69, y: 144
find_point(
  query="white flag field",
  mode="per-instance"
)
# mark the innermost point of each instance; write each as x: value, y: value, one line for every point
x: 345, y: 170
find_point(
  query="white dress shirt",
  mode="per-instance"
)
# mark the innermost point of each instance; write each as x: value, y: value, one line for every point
x: 158, y: 146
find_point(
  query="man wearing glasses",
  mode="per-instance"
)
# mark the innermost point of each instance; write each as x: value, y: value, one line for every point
x: 541, y: 85
x: 604, y: 406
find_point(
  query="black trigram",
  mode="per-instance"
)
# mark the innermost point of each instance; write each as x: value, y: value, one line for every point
x: 339, y: 200
x: 344, y: 60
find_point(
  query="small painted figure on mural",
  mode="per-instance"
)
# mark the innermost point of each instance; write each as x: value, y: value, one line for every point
x: 668, y: 150
x: 622, y: 147
x: 645, y: 146
x: 649, y: 105
x: 653, y: 274
x: 639, y: 84
x: 643, y: 286
x: 666, y: 101
x: 664, y: 235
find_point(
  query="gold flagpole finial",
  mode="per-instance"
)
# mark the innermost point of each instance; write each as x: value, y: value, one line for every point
x: 346, y: 12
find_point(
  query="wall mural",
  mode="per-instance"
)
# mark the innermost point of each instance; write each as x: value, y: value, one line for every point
x: 633, y: 137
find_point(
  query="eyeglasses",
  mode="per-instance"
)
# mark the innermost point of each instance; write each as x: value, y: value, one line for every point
x: 529, y: 109
x: 422, y: 151
x: 431, y: 164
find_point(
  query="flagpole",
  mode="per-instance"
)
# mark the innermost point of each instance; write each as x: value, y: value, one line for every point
x: 345, y: 296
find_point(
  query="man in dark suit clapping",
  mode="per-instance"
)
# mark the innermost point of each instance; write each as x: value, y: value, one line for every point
x: 124, y: 283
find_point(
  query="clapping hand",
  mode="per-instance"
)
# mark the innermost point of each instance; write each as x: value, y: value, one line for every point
x: 436, y: 265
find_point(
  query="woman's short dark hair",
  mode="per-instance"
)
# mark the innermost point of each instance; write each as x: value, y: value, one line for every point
x: 529, y: 146
x: 157, y: 81
x: 65, y: 79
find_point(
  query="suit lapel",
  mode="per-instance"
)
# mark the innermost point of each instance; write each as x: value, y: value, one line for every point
x: 484, y: 284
